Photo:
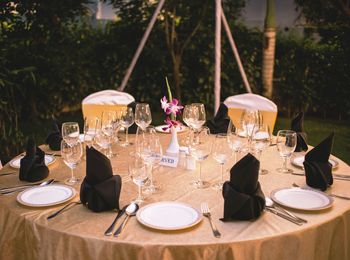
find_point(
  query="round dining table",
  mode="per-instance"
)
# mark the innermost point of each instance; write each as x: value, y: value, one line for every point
x: 78, y: 233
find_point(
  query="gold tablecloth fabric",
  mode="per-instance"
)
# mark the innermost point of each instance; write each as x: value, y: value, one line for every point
x: 25, y: 233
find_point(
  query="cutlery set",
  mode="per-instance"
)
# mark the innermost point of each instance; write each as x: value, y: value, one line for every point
x: 9, y: 190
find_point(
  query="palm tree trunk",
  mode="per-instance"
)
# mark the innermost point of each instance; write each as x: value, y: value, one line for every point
x: 269, y: 42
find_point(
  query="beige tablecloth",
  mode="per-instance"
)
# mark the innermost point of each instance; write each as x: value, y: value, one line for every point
x: 78, y: 233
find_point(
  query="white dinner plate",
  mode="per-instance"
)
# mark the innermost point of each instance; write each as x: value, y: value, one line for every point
x: 44, y: 196
x: 16, y: 162
x: 160, y: 129
x: 303, y: 199
x: 168, y: 216
x: 299, y: 160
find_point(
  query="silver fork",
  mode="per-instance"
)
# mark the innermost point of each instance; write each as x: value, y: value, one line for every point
x: 206, y: 212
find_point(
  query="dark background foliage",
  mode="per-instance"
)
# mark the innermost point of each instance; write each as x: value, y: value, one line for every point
x: 53, y: 54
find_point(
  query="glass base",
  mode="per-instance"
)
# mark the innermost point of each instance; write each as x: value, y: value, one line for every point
x: 126, y: 144
x: 152, y: 189
x: 217, y: 186
x: 284, y: 170
x: 263, y: 171
x: 72, y: 181
x: 200, y: 184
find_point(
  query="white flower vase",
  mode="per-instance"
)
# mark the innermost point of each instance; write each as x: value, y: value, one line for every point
x: 174, y: 143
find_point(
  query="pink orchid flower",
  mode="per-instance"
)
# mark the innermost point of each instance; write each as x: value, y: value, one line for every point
x: 165, y: 104
x: 170, y: 123
x: 174, y: 107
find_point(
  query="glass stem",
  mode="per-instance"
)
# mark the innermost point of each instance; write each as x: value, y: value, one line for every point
x: 151, y: 174
x: 222, y: 172
x: 126, y: 135
x: 284, y: 163
x: 140, y: 192
x: 200, y: 171
x: 72, y: 173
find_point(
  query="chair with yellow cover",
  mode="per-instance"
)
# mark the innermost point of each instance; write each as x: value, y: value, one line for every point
x: 238, y: 103
x: 112, y: 100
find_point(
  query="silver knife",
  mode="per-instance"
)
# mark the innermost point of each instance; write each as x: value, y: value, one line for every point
x: 109, y: 230
x: 284, y: 216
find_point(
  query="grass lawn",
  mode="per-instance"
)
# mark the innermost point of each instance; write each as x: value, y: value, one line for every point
x: 316, y: 129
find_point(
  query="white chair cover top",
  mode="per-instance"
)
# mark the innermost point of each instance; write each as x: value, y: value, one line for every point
x: 108, y: 97
x: 250, y: 101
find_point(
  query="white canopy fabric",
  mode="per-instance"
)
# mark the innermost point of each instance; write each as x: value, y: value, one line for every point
x: 108, y: 97
x: 250, y: 101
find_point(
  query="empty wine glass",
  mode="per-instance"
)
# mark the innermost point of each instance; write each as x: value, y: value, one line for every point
x: 70, y: 132
x: 187, y: 115
x: 71, y: 155
x: 261, y: 140
x: 108, y: 128
x: 250, y: 118
x: 286, y: 142
x: 200, y: 150
x: 126, y: 120
x: 139, y: 175
x: 141, y: 136
x: 90, y: 129
x: 143, y: 117
x: 151, y: 152
x: 221, y: 152
x: 197, y: 116
x: 235, y: 139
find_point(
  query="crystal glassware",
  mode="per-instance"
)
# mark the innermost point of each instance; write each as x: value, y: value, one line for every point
x: 235, y: 139
x: 286, y: 142
x: 221, y: 152
x: 250, y: 119
x: 126, y: 120
x: 261, y: 140
x: 143, y: 117
x: 139, y: 175
x: 200, y: 148
x: 90, y: 130
x: 108, y: 128
x: 70, y: 132
x: 71, y: 155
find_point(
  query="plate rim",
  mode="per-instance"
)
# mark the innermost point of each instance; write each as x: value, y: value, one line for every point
x: 19, y: 199
x: 336, y: 163
x: 329, y: 204
x: 159, y: 129
x: 18, y: 156
x: 199, y: 218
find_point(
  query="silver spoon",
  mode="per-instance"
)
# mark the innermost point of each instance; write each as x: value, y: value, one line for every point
x: 129, y: 211
x: 269, y: 203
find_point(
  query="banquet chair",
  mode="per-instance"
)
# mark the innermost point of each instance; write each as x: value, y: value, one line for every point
x: 238, y: 103
x: 94, y: 104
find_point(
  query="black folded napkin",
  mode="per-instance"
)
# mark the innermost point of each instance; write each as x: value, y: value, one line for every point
x: 32, y: 165
x: 220, y: 122
x: 318, y: 170
x: 244, y: 199
x: 55, y: 137
x: 100, y: 190
x: 297, y: 125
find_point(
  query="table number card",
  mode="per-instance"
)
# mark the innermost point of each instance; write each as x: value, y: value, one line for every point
x: 169, y: 161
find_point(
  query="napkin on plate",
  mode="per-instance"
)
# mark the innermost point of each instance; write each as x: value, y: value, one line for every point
x: 220, y: 122
x: 243, y: 197
x: 55, y: 137
x: 297, y: 125
x: 32, y: 165
x: 318, y: 170
x: 100, y: 190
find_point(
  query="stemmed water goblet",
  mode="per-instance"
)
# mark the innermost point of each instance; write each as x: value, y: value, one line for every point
x: 261, y: 140
x: 250, y: 118
x: 139, y: 175
x: 126, y: 120
x: 71, y: 155
x: 109, y: 125
x: 70, y: 132
x: 286, y: 142
x: 143, y: 117
x: 195, y: 117
x: 235, y: 139
x: 90, y: 130
x: 151, y: 152
x: 221, y: 152
x: 200, y: 148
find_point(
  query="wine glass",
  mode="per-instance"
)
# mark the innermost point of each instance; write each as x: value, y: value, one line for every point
x: 139, y: 175
x: 221, y: 152
x: 197, y: 116
x: 108, y: 127
x: 235, y: 139
x: 261, y: 140
x: 70, y: 132
x: 200, y: 149
x: 286, y: 142
x: 151, y: 152
x: 187, y: 115
x: 90, y: 130
x: 71, y: 155
x: 126, y: 120
x: 250, y: 118
x: 143, y: 117
x: 141, y: 136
